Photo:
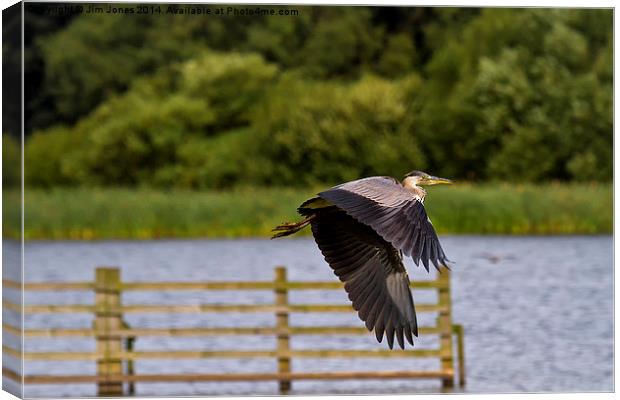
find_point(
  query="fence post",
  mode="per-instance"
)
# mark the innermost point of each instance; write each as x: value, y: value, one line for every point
x: 129, y: 346
x: 444, y: 321
x: 460, y: 333
x: 283, y: 343
x: 108, y: 318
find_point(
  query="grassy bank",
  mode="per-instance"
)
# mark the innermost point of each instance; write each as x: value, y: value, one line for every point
x: 143, y: 214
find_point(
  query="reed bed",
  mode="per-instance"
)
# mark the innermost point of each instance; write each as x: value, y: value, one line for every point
x: 117, y: 213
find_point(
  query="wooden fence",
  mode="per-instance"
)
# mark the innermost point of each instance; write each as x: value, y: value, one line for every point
x: 115, y: 354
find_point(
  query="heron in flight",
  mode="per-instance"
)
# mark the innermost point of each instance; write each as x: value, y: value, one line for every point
x: 363, y: 228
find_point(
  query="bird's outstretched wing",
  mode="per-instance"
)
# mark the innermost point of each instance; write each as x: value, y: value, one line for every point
x: 394, y: 213
x: 372, y: 271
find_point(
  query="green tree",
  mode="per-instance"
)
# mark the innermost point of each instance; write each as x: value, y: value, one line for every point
x: 135, y: 138
x: 327, y: 132
x: 98, y: 56
x: 505, y: 105
x: 11, y: 162
x: 399, y: 56
x: 511, y: 94
x: 45, y: 157
x: 343, y: 43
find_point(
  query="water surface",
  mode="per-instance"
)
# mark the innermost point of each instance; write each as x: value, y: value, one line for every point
x: 537, y: 312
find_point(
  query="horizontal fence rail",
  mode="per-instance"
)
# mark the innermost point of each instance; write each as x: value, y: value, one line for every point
x: 336, y: 375
x: 202, y: 308
x: 192, y: 355
x: 187, y: 332
x: 115, y: 355
x: 175, y: 286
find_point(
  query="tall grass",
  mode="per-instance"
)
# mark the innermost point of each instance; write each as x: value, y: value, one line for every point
x: 522, y: 209
x: 145, y: 214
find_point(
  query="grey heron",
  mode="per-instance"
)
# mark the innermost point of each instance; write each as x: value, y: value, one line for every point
x: 363, y: 228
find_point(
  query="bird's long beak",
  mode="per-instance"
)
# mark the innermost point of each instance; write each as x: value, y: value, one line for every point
x: 434, y: 180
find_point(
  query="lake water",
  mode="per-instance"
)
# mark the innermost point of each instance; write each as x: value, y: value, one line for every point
x: 537, y: 312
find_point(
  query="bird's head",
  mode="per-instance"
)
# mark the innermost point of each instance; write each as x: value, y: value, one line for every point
x: 422, y: 178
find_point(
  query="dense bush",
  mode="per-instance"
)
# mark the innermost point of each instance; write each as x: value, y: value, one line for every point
x: 11, y: 162
x: 222, y: 161
x: 98, y: 56
x: 317, y: 132
x: 46, y: 161
x: 140, y: 136
x: 503, y: 104
x: 331, y: 95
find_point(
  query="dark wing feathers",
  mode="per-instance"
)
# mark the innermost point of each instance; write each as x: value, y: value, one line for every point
x: 362, y: 228
x: 372, y: 271
x: 394, y: 213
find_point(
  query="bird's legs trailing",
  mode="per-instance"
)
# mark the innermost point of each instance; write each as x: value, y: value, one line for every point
x: 288, y: 228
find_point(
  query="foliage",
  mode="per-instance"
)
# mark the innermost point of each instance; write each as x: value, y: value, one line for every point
x: 342, y: 42
x: 140, y: 136
x: 11, y: 162
x: 327, y: 132
x: 398, y: 57
x: 331, y: 94
x: 222, y: 161
x: 79, y: 78
x: 45, y: 157
x: 522, y: 107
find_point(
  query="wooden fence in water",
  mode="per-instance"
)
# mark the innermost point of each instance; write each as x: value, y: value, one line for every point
x: 115, y: 354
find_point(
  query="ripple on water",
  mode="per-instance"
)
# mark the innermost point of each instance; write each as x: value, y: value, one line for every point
x: 537, y: 312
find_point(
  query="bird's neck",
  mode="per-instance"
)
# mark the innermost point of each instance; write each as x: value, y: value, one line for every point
x: 410, y: 183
